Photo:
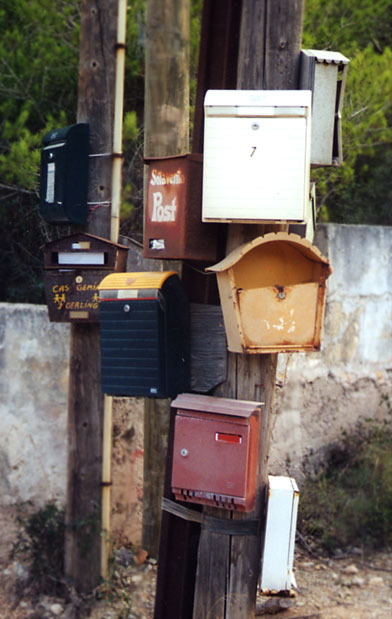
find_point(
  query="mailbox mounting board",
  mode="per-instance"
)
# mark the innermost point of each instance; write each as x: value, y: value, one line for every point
x: 215, y: 451
x: 256, y: 155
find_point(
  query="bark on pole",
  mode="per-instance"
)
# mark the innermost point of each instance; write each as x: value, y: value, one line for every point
x: 228, y: 567
x: 166, y: 134
x: 85, y: 400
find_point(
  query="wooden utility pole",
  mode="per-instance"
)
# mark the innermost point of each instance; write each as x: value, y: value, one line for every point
x: 166, y: 134
x: 85, y: 403
x: 228, y: 566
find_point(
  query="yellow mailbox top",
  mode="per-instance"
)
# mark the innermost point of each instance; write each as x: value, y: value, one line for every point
x: 135, y: 281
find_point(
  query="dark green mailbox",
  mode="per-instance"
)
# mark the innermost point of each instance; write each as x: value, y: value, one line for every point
x: 144, y: 331
x: 64, y: 175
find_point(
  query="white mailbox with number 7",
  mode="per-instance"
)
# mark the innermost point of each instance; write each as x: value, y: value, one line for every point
x: 256, y: 165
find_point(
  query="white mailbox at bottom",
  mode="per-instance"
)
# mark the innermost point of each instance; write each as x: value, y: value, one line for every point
x: 256, y: 162
x: 279, y: 540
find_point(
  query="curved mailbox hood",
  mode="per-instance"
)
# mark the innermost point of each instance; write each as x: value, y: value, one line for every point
x: 272, y: 292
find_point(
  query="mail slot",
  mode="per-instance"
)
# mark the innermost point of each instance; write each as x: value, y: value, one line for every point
x: 74, y: 266
x: 144, y: 332
x: 64, y: 175
x: 256, y: 155
x: 173, y: 226
x: 273, y: 292
x: 215, y: 451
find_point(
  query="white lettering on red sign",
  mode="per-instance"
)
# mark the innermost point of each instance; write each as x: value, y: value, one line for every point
x: 159, y: 178
x: 161, y: 212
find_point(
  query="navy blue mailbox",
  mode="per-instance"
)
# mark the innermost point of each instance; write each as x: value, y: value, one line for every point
x: 144, y: 330
x: 64, y: 175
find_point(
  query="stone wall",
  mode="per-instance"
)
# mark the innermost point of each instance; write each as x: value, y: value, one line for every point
x: 318, y: 394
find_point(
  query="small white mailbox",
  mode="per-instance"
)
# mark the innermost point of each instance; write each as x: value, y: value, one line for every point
x: 279, y: 539
x: 256, y: 163
x: 324, y: 73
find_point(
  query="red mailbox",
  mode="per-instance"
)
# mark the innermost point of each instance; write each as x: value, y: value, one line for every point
x: 215, y: 451
x: 173, y: 226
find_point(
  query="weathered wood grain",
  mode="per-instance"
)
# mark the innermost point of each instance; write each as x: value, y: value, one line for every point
x: 85, y: 405
x: 269, y: 50
x: 166, y: 133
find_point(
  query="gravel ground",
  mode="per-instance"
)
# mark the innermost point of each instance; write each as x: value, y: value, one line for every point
x: 352, y: 586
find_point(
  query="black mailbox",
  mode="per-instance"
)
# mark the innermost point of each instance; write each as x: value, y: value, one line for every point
x: 144, y: 329
x: 64, y: 175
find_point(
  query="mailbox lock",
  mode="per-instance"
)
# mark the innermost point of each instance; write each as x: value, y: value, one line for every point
x: 79, y: 279
x: 127, y: 308
x: 281, y: 294
x: 255, y: 126
x: 184, y: 452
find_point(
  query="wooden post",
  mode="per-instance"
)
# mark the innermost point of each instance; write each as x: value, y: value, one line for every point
x: 166, y: 134
x: 228, y: 567
x: 85, y: 402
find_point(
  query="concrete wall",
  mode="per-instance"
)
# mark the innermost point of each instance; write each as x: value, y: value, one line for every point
x: 321, y: 394
x: 318, y: 394
x: 33, y: 404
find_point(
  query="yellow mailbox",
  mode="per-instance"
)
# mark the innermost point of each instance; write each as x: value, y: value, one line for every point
x: 272, y: 292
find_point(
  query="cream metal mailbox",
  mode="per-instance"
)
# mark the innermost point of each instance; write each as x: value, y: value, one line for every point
x: 279, y: 539
x: 215, y: 451
x: 256, y: 155
x: 272, y: 292
x: 324, y: 73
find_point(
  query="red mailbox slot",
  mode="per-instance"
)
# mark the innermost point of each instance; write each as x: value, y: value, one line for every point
x: 215, y: 451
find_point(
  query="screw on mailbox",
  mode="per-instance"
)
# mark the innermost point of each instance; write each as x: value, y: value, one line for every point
x: 184, y: 452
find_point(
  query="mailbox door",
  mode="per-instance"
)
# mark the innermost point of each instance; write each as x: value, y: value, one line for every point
x: 256, y: 169
x: 132, y: 348
x: 281, y: 317
x: 72, y: 296
x: 210, y: 456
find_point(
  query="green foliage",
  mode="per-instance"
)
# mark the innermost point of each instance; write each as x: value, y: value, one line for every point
x: 40, y: 542
x: 38, y: 84
x: 347, y: 25
x: 349, y: 501
x: 359, y: 191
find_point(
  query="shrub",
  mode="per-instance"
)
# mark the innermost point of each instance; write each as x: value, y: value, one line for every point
x: 349, y: 501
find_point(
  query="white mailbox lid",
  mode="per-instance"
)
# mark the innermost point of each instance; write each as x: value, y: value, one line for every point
x: 258, y: 98
x: 322, y: 55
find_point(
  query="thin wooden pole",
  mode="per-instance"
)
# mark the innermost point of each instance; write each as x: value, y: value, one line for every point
x: 166, y: 134
x: 85, y: 402
x: 106, y: 542
x: 228, y: 567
